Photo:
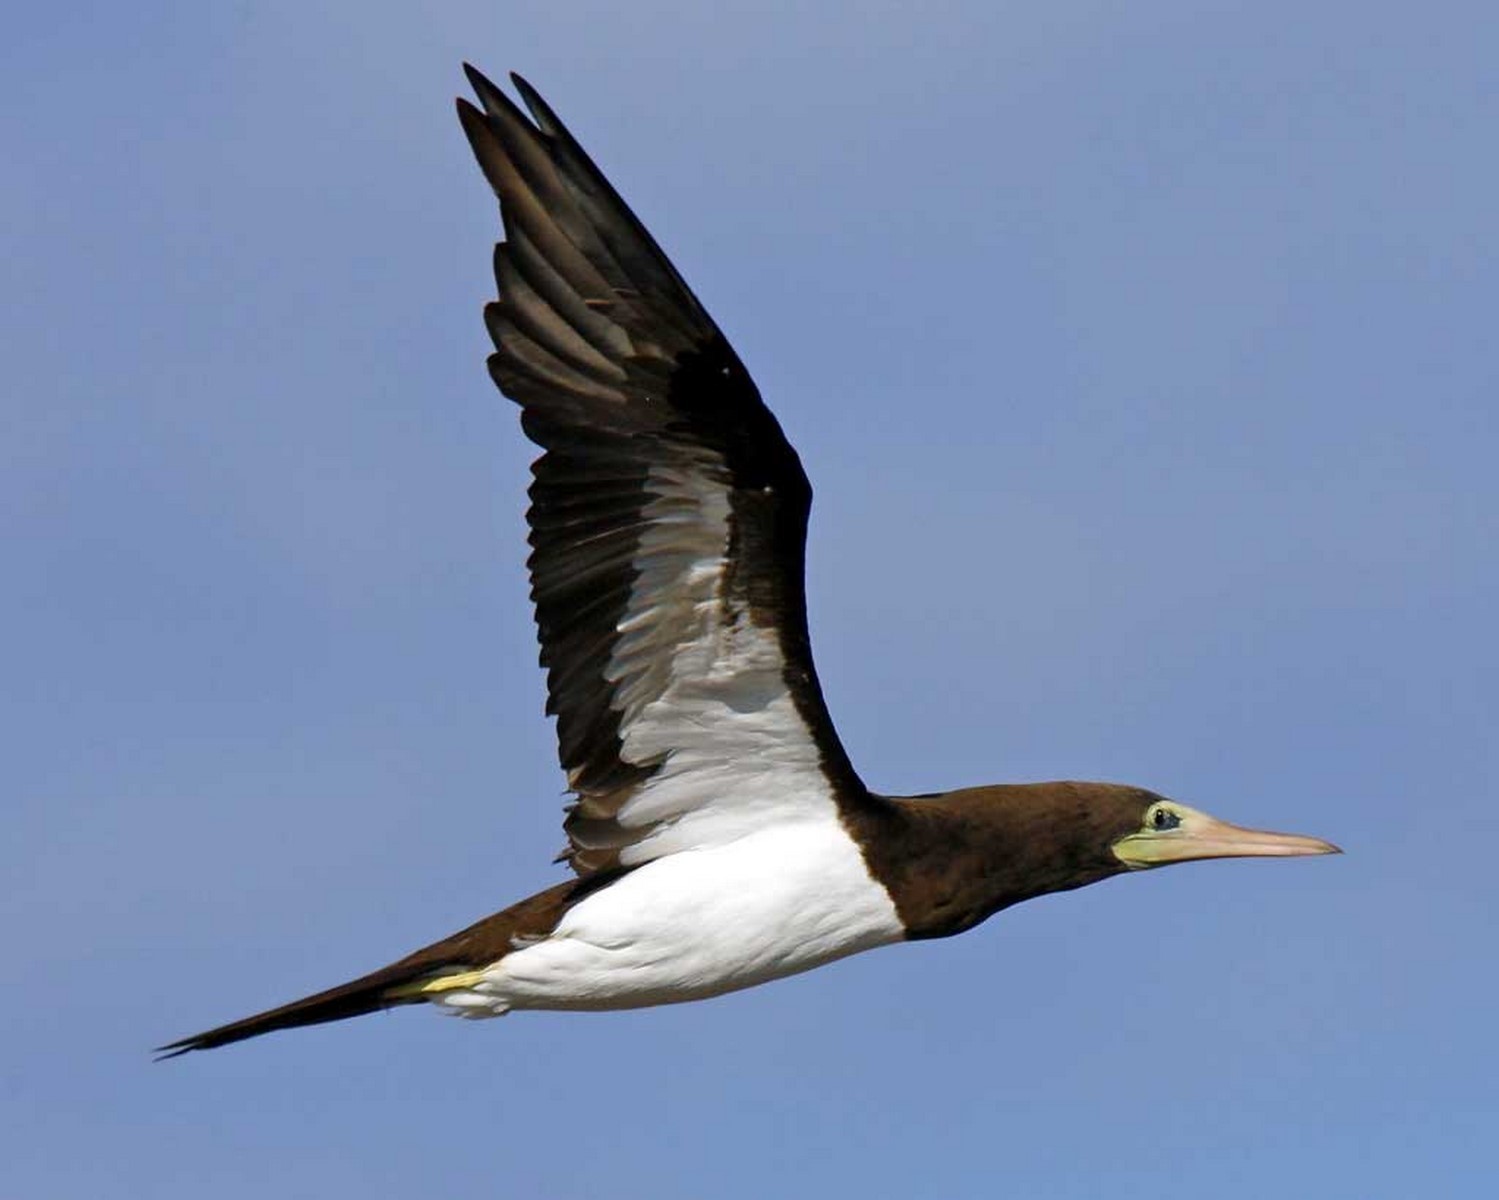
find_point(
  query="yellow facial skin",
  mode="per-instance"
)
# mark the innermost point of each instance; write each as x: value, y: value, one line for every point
x: 1172, y: 833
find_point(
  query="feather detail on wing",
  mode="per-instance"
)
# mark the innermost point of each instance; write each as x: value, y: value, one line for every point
x: 668, y: 521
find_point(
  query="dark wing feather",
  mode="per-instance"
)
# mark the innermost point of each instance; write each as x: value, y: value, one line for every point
x: 668, y: 517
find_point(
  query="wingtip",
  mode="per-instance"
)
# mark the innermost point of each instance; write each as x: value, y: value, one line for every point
x: 469, y: 116
x: 476, y: 78
x: 490, y: 96
x: 467, y: 111
x: 527, y: 92
x: 541, y: 111
x: 494, y: 101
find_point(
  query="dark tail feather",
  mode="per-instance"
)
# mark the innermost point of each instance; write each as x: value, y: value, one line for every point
x: 367, y: 994
x: 482, y: 943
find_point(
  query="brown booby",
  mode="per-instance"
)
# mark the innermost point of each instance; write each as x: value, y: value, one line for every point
x: 719, y: 835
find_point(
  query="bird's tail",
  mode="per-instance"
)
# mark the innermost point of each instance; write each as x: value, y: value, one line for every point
x: 458, y: 961
x: 384, y: 988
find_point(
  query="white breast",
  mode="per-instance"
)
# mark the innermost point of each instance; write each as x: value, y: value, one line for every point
x: 698, y: 923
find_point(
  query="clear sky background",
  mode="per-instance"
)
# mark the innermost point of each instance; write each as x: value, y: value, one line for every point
x: 1144, y: 359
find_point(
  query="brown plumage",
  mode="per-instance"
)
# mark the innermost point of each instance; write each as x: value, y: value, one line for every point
x: 482, y: 942
x: 948, y: 861
x: 721, y: 835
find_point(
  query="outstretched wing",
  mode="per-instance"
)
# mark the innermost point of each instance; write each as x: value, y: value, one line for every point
x: 668, y: 521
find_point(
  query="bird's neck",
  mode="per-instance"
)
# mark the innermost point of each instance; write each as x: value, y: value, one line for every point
x: 952, y: 860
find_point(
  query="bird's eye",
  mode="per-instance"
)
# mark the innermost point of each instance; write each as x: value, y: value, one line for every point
x: 1163, y: 818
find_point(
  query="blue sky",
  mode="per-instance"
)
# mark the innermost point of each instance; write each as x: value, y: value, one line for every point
x: 1143, y: 359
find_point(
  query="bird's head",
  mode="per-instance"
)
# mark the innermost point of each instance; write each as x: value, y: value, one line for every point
x: 962, y: 856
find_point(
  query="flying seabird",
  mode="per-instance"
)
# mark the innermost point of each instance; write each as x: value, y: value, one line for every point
x: 719, y: 835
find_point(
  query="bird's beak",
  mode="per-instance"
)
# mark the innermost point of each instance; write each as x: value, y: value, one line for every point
x: 1202, y: 836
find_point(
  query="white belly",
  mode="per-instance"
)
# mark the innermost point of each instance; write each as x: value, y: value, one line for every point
x: 698, y: 923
